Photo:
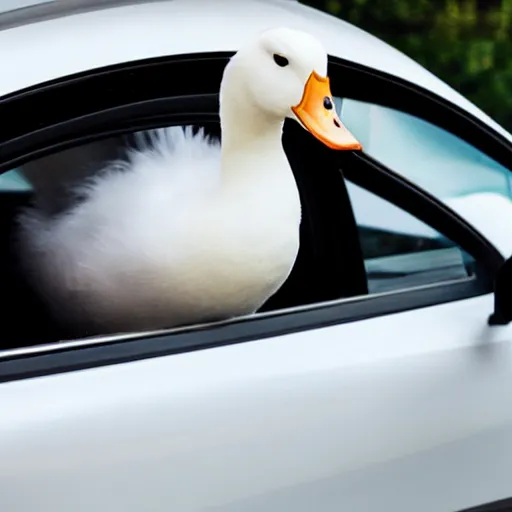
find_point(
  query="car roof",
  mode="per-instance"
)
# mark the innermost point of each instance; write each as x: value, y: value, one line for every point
x: 47, y: 39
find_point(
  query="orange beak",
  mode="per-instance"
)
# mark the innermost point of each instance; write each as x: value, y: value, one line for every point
x: 317, y: 113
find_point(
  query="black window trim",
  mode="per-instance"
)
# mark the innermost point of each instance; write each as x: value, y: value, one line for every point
x: 153, y: 112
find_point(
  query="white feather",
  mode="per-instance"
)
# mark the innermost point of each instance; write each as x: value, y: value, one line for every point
x: 182, y: 231
x: 122, y: 258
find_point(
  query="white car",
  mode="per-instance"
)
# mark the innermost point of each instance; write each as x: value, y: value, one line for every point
x: 377, y: 379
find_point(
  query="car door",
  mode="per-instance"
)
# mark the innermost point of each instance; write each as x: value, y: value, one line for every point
x: 391, y: 397
x: 394, y: 411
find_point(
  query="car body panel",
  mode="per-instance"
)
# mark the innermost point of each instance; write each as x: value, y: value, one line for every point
x: 403, y: 412
x: 113, y: 35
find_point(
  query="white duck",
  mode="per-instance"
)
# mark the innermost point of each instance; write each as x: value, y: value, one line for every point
x: 185, y: 231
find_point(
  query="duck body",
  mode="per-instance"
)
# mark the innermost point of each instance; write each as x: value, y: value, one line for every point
x: 156, y: 241
x: 184, y: 230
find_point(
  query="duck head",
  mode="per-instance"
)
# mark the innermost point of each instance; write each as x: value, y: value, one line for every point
x: 283, y: 74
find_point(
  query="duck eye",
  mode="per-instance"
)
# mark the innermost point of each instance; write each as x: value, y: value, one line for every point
x: 280, y: 60
x: 327, y: 103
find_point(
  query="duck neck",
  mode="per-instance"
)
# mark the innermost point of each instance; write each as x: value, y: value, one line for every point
x: 250, y: 138
x: 246, y: 124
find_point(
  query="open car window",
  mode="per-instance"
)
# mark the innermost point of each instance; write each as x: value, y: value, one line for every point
x: 349, y: 252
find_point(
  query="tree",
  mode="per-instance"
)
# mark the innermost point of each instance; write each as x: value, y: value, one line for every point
x: 467, y: 43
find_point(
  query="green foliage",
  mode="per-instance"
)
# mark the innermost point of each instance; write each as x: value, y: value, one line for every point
x: 467, y: 43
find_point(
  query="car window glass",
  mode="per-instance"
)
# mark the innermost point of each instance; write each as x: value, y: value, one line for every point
x: 434, y: 159
x: 13, y: 181
x: 401, y: 251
